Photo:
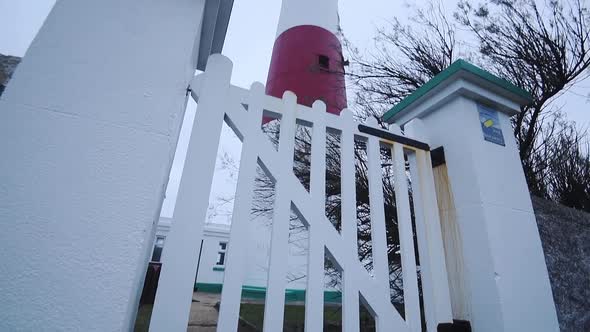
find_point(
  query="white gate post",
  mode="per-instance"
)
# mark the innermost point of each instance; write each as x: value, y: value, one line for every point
x: 88, y: 129
x: 506, y: 284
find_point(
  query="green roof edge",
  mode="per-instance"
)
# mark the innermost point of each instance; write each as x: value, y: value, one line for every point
x: 455, y: 67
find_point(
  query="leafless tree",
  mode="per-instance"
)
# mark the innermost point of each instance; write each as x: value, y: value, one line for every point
x: 404, y: 58
x: 543, y: 48
x: 564, y: 164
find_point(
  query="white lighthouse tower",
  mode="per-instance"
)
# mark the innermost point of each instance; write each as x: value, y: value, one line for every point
x: 307, y: 54
x: 323, y: 14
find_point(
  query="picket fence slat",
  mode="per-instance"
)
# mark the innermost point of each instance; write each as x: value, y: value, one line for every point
x: 238, y: 242
x: 350, y: 295
x: 406, y: 237
x: 314, y: 300
x: 378, y: 227
x: 279, y: 243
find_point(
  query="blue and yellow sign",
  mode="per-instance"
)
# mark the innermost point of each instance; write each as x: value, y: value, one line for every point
x: 490, y: 125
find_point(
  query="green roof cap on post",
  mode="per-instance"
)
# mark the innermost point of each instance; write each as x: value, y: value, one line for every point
x: 454, y: 68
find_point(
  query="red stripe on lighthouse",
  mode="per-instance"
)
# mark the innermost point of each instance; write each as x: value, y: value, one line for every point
x: 307, y: 60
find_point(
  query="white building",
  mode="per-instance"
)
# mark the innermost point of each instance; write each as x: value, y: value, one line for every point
x: 212, y: 256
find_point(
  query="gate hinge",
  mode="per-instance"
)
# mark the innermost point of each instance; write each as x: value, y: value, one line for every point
x: 455, y: 326
x: 437, y: 156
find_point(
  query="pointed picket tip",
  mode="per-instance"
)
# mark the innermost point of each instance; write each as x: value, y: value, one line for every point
x: 257, y: 87
x: 372, y: 122
x: 219, y: 60
x: 319, y: 105
x: 290, y: 96
x: 346, y: 114
x: 218, y: 71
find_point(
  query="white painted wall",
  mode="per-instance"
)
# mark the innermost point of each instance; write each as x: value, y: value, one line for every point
x: 88, y: 128
x: 504, y: 268
x: 323, y: 14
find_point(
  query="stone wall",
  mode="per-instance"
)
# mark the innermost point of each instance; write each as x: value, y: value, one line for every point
x: 7, y: 66
x: 565, y: 234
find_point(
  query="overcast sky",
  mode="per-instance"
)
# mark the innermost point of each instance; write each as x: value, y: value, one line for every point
x: 249, y: 44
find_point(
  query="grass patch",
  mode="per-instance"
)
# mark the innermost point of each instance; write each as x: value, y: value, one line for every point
x: 253, y: 314
x: 144, y: 314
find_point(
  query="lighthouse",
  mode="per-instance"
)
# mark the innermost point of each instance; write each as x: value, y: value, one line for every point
x: 307, y: 54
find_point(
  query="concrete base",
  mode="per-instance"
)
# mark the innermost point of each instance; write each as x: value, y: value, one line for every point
x: 204, y: 312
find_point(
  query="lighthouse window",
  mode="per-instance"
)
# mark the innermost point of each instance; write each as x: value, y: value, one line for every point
x: 324, y: 61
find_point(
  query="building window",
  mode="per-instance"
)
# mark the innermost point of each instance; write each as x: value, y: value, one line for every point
x: 158, y: 247
x: 221, y: 254
x: 324, y: 62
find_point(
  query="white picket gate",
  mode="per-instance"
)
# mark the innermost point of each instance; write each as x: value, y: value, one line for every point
x: 219, y: 101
